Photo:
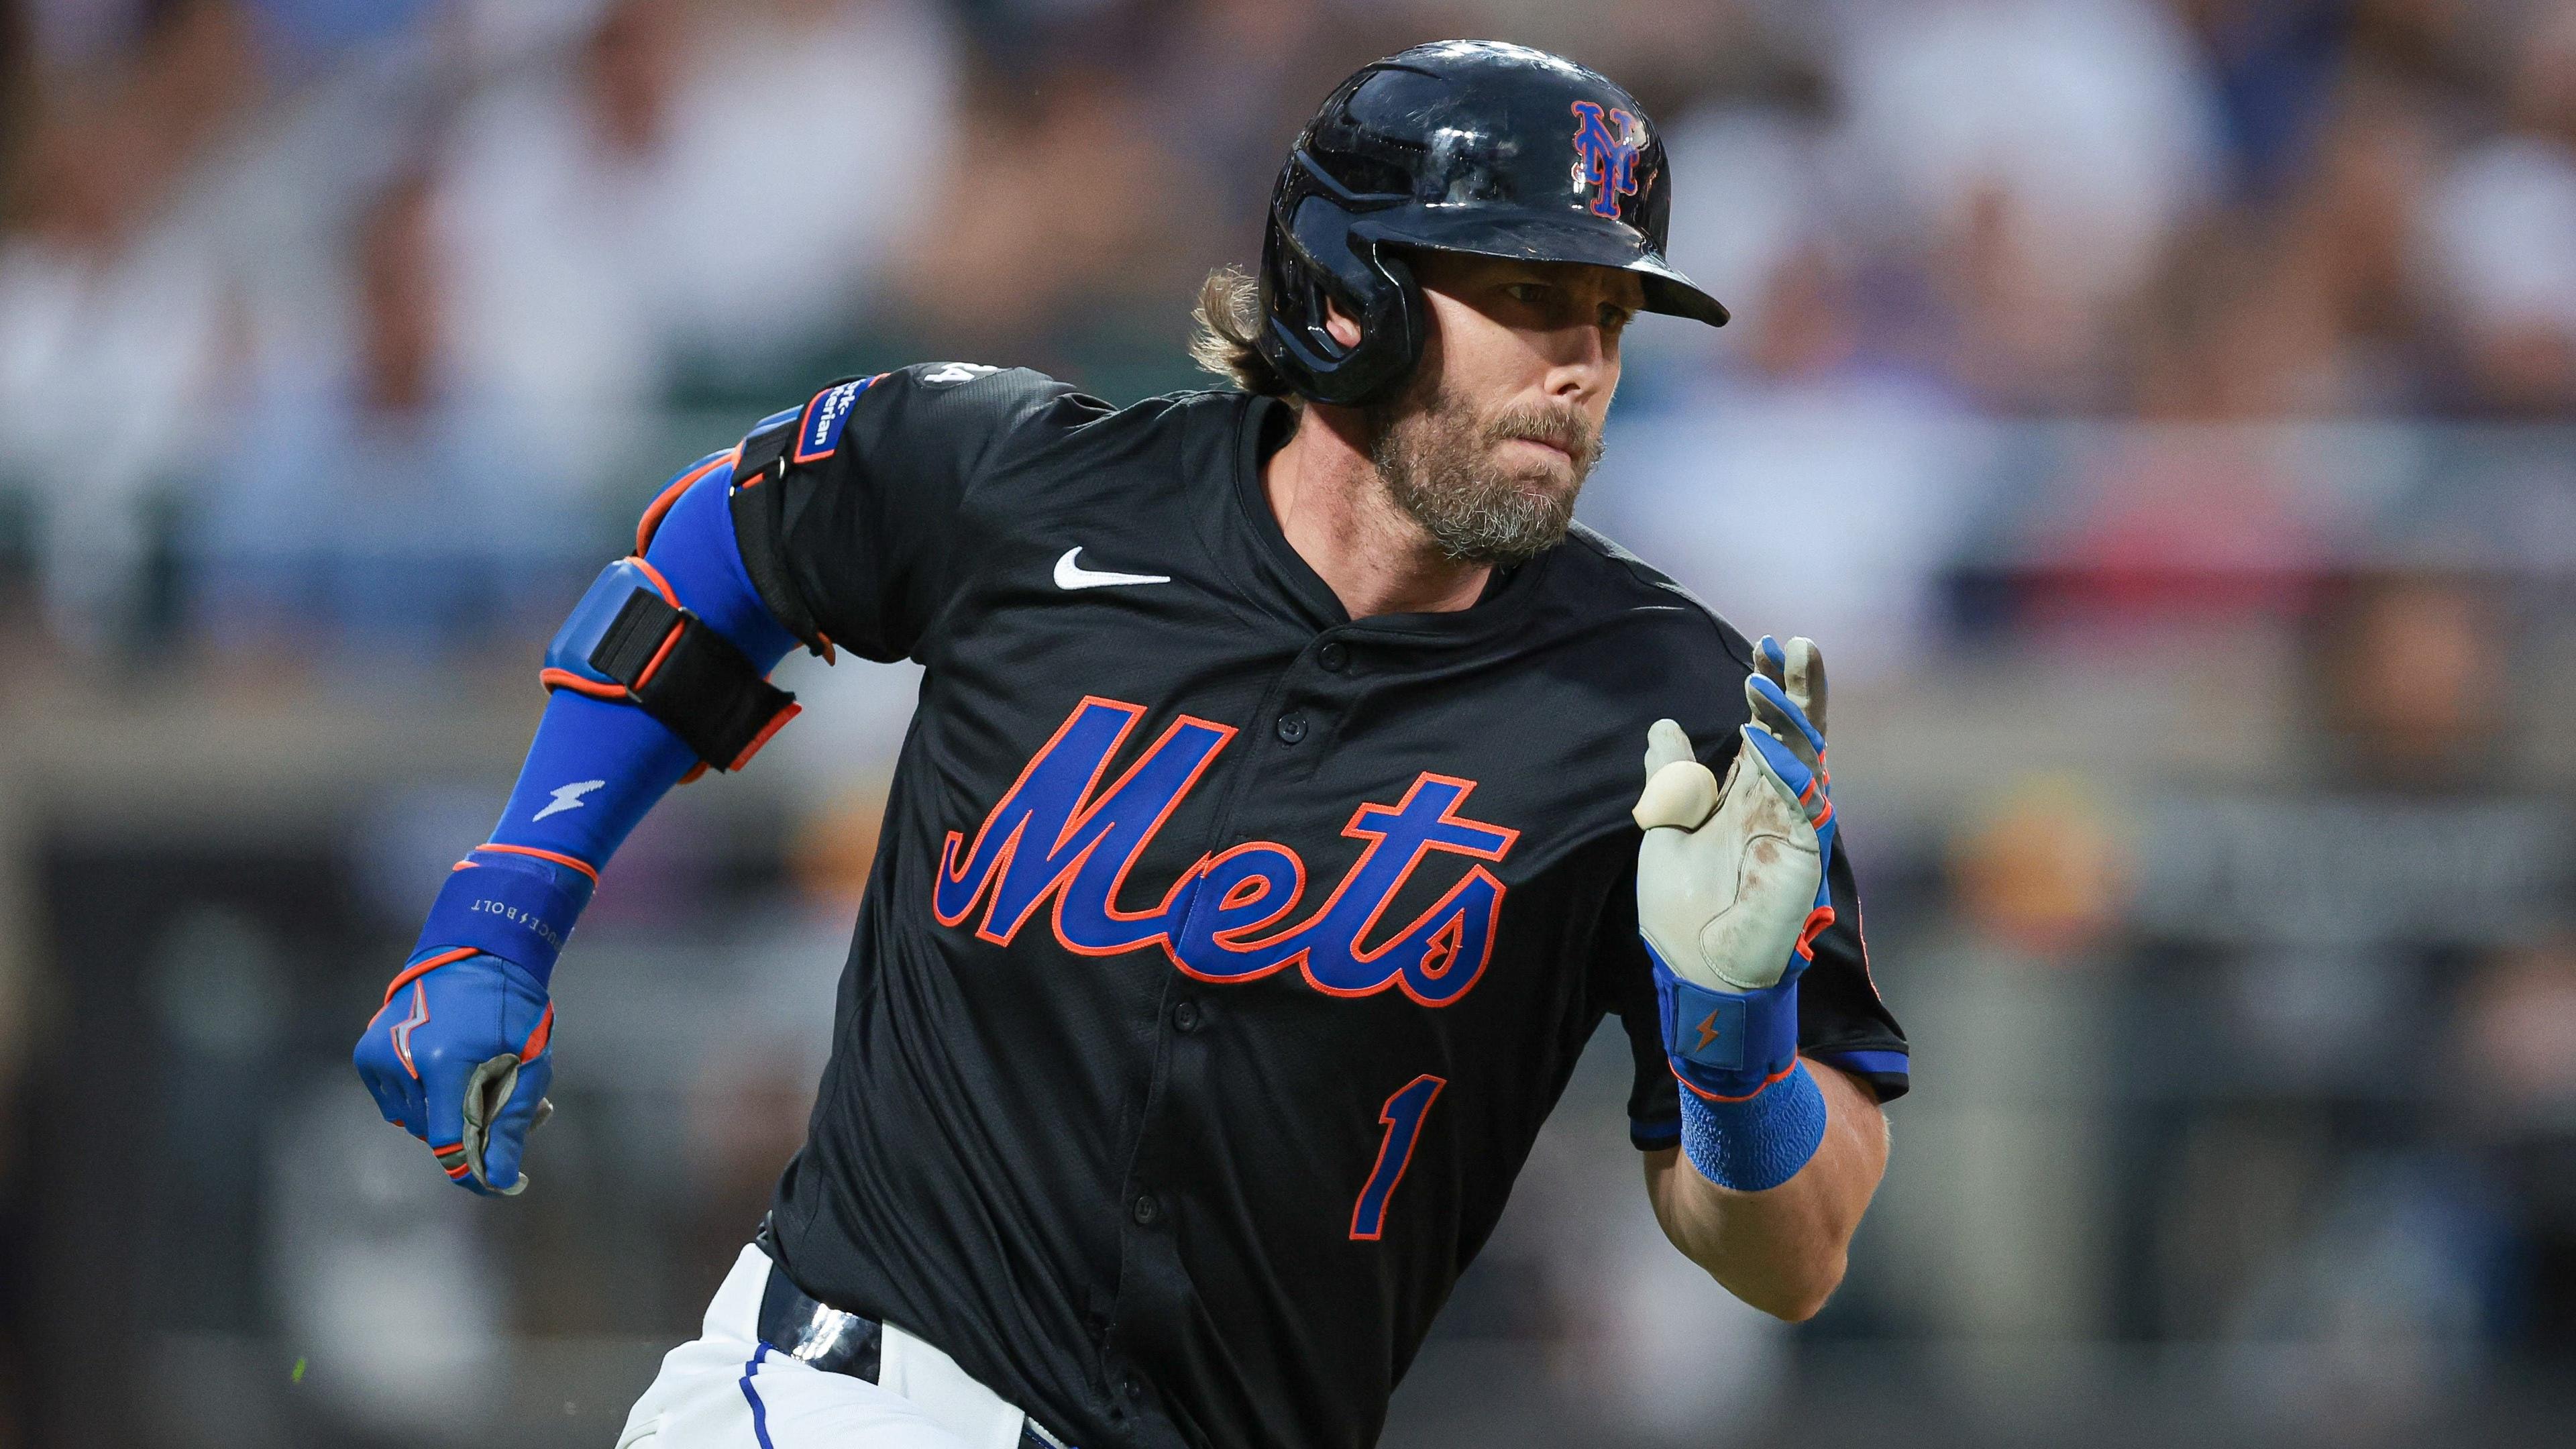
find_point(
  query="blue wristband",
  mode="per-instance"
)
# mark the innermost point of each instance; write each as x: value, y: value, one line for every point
x: 1759, y: 1142
x: 516, y: 907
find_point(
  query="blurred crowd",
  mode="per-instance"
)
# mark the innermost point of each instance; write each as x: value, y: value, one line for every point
x: 2175, y: 395
x: 353, y: 309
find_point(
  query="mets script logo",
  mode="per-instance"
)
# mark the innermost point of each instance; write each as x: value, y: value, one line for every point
x: 1605, y: 149
x: 1059, y: 838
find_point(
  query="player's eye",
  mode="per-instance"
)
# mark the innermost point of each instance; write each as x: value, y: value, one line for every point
x: 1528, y: 294
x: 1615, y: 318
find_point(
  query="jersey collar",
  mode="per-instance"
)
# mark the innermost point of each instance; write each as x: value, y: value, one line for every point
x: 1284, y: 579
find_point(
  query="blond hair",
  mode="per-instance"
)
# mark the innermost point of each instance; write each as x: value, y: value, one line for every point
x: 1226, y: 332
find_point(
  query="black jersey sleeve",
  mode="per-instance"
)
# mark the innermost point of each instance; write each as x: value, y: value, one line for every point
x: 873, y: 524
x: 1842, y: 1022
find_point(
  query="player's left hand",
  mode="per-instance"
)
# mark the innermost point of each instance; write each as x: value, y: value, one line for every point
x: 460, y: 1055
x: 1731, y: 887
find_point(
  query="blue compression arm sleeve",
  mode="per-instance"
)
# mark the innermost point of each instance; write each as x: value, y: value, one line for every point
x: 597, y: 766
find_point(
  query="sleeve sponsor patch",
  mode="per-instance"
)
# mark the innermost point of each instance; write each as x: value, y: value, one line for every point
x: 820, y: 430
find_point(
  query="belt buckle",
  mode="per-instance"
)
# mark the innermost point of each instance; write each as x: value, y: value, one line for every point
x: 823, y: 1333
x: 836, y: 1340
x: 815, y: 1333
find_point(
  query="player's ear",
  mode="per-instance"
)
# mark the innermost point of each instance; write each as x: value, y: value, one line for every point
x: 1339, y: 324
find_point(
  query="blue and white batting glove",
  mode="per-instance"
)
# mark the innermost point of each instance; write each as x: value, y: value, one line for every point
x: 459, y: 1055
x: 1731, y: 893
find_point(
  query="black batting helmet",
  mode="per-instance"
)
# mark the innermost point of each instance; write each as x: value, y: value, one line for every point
x: 1462, y: 146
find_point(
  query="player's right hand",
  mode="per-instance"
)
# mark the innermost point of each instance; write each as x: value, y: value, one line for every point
x: 459, y: 1055
x: 1731, y: 882
x: 1731, y: 874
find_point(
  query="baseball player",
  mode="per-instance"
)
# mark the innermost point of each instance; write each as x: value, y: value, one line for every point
x: 1266, y: 845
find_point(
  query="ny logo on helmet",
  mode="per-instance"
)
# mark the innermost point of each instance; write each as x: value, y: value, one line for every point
x: 1605, y: 150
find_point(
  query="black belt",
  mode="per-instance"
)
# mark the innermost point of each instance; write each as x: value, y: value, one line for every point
x: 835, y: 1340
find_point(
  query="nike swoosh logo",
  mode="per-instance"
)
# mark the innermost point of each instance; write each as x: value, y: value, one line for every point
x: 1071, y: 575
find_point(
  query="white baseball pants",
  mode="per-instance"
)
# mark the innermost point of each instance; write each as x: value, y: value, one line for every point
x: 727, y: 1390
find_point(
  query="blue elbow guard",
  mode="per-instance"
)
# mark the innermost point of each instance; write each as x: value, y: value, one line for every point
x: 631, y: 641
x: 647, y: 683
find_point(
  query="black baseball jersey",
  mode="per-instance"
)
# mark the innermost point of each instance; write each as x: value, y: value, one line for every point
x: 1222, y: 954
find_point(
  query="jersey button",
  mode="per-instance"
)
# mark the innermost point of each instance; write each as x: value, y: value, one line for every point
x: 1292, y: 728
x: 1132, y: 1386
x: 1185, y: 1017
x: 1332, y: 656
x: 1147, y: 1211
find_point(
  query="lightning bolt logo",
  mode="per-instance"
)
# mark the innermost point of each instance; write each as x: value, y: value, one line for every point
x: 568, y: 797
x: 1707, y: 1031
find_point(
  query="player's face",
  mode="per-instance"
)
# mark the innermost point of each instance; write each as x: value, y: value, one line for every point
x: 1489, y: 443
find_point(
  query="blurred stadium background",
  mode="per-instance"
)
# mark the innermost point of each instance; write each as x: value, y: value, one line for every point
x: 2179, y: 392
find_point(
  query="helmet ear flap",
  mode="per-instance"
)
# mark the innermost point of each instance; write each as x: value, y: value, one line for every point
x: 1315, y: 258
x: 1404, y: 301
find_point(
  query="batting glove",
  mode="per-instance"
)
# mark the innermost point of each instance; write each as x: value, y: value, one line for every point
x: 1731, y: 892
x: 459, y: 1055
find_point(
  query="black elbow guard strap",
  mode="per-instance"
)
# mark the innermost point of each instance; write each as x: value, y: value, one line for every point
x: 627, y: 642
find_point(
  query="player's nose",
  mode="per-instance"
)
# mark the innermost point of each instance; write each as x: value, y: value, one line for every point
x: 1580, y: 362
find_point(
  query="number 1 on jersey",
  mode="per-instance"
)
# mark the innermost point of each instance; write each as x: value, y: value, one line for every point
x: 1402, y: 1114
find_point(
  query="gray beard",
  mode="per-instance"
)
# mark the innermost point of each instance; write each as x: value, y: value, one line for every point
x: 1436, y: 461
